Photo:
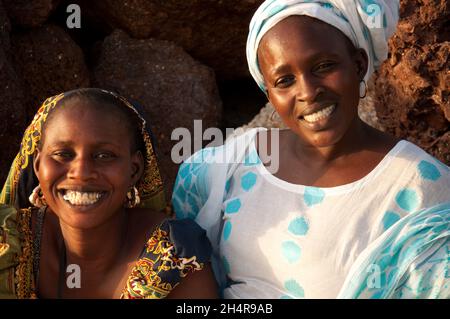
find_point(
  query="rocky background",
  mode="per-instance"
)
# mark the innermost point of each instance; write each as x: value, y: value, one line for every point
x: 185, y: 60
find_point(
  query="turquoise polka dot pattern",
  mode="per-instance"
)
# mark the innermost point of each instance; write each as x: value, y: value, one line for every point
x: 407, y: 199
x: 299, y: 226
x: 294, y: 288
x: 227, y: 230
x: 389, y: 219
x: 428, y: 171
x: 252, y: 159
x: 187, y: 194
x: 233, y: 206
x: 291, y: 251
x: 248, y: 181
x: 313, y: 196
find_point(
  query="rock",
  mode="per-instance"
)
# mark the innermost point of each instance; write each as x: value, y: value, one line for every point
x: 12, y: 110
x: 412, y: 87
x: 49, y: 62
x: 212, y: 31
x: 172, y: 87
x: 5, y: 29
x: 29, y: 14
x: 12, y: 115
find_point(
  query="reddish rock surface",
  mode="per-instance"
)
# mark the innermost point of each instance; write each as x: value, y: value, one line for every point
x: 27, y: 14
x: 412, y: 87
x: 212, y: 31
x: 49, y: 62
x: 172, y: 87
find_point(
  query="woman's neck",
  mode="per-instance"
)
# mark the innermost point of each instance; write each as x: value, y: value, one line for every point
x: 359, y: 135
x: 95, y: 250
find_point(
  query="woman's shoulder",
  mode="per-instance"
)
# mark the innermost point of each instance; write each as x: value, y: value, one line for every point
x: 415, y: 154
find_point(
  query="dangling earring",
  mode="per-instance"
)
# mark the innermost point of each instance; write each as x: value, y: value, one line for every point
x: 133, y: 198
x: 362, y: 89
x: 271, y: 115
x: 37, y: 197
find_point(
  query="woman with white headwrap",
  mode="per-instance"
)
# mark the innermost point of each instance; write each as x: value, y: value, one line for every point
x: 346, y: 211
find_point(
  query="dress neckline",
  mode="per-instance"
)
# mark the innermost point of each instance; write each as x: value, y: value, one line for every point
x: 345, y: 188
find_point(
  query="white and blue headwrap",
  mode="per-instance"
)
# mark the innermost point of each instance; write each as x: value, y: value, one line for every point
x: 367, y: 23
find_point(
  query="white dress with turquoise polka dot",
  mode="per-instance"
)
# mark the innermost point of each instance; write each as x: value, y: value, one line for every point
x: 274, y: 239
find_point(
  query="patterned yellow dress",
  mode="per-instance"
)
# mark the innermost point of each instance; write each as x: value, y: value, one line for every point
x: 175, y: 249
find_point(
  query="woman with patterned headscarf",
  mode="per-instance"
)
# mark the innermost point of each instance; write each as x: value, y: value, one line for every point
x: 338, y: 209
x: 80, y: 212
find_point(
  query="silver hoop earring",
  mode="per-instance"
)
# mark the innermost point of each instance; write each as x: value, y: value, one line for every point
x: 362, y: 89
x: 133, y: 198
x: 37, y: 197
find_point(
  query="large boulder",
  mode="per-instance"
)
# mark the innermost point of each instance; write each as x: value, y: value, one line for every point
x: 412, y: 87
x: 5, y: 29
x: 12, y: 115
x: 28, y: 14
x: 212, y: 31
x: 49, y: 62
x: 172, y: 87
x: 12, y: 110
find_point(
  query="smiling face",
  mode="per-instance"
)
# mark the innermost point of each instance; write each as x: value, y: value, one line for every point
x: 86, y: 164
x: 312, y: 74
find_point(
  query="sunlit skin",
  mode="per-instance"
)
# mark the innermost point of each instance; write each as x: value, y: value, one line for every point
x: 94, y: 153
x: 308, y: 65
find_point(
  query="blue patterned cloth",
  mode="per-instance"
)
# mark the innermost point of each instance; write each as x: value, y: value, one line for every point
x: 367, y: 23
x: 410, y: 260
x: 384, y: 236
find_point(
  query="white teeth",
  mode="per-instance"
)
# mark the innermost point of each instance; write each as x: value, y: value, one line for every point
x: 82, y: 198
x: 320, y: 115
